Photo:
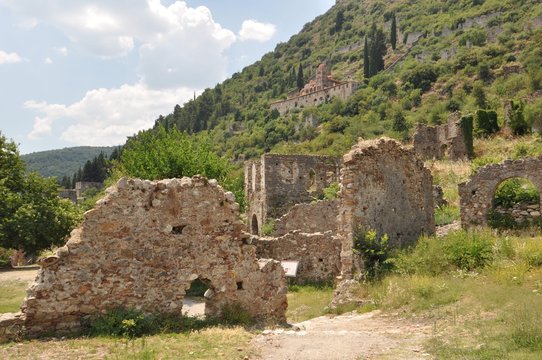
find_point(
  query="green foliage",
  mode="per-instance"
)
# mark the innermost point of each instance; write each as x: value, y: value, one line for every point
x: 421, y: 76
x: 446, y: 215
x: 331, y: 192
x: 467, y: 127
x: 517, y: 121
x: 33, y: 216
x: 460, y: 250
x: 234, y: 314
x: 161, y: 154
x: 486, y: 123
x: 393, y: 32
x: 516, y: 190
x: 268, y: 227
x: 475, y: 36
x: 533, y: 115
x: 374, y: 251
x: 5, y: 258
x: 376, y: 50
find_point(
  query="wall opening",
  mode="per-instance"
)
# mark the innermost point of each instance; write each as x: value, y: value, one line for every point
x: 515, y: 204
x: 194, y: 300
x: 312, y: 181
x: 255, y: 230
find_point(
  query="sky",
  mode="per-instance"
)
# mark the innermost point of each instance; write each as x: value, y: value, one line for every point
x: 93, y: 72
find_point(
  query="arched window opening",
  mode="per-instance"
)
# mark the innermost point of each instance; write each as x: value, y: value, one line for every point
x: 254, y: 225
x: 195, y: 297
x: 312, y: 181
x: 516, y: 205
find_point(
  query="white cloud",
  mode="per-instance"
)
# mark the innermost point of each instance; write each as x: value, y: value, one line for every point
x: 9, y: 58
x: 178, y: 45
x: 47, y: 61
x: 106, y: 116
x: 254, y: 30
x: 62, y: 50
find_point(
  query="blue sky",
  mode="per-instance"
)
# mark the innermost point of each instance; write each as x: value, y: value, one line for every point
x: 93, y: 72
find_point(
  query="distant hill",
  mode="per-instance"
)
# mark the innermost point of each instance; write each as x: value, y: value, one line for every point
x: 63, y: 162
x: 455, y: 55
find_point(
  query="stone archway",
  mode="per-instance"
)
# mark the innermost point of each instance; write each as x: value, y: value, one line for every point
x: 476, y: 195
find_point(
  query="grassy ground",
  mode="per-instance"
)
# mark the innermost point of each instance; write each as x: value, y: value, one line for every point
x: 307, y: 302
x: 11, y: 295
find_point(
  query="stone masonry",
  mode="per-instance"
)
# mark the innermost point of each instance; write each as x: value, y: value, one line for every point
x: 319, y: 216
x: 438, y: 142
x: 318, y: 254
x: 275, y: 183
x: 476, y: 195
x: 384, y: 187
x: 316, y: 91
x: 141, y: 247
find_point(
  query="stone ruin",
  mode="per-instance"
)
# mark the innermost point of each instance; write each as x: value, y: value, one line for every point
x: 442, y: 141
x: 384, y: 187
x: 275, y: 183
x: 477, y: 194
x: 141, y: 247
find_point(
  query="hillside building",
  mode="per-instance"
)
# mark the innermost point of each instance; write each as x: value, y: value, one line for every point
x: 317, y: 91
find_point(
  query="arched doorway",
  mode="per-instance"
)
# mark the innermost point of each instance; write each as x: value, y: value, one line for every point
x: 194, y: 302
x: 255, y: 230
x: 515, y: 204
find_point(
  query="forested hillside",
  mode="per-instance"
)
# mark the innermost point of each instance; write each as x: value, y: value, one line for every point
x: 453, y: 55
x: 63, y: 162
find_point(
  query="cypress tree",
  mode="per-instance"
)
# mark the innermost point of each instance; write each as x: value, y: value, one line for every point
x: 300, y: 81
x: 393, y: 32
x: 366, y: 59
x: 377, y: 50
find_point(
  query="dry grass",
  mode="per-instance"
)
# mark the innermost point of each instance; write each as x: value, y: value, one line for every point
x: 11, y: 295
x: 212, y: 343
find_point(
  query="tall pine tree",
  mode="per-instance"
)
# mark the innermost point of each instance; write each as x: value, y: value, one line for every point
x: 300, y: 81
x: 366, y: 73
x: 377, y: 50
x: 393, y: 32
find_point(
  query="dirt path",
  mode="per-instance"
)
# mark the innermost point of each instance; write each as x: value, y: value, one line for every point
x: 346, y: 337
x: 18, y: 275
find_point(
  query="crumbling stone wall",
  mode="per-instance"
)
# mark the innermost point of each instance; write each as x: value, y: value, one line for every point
x: 384, y: 187
x: 275, y: 183
x: 141, y: 247
x: 476, y: 195
x: 318, y: 254
x: 437, y: 142
x: 319, y: 216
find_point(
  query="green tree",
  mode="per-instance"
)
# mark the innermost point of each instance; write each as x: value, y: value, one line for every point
x: 339, y: 20
x: 534, y: 115
x: 366, y: 71
x: 393, y: 32
x: 517, y: 121
x: 300, y: 79
x: 377, y: 50
x: 33, y: 216
x: 161, y: 154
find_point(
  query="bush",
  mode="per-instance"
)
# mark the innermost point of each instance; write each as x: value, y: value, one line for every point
x: 5, y: 257
x: 468, y: 250
x: 331, y: 192
x: 486, y: 123
x: 268, y: 227
x: 421, y: 77
x: 517, y: 121
x: 374, y: 251
x: 533, y: 114
x: 516, y: 190
x: 446, y: 215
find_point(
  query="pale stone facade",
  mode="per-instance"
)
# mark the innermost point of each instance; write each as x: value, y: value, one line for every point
x: 384, y: 187
x: 316, y: 92
x: 141, y: 247
x: 476, y: 195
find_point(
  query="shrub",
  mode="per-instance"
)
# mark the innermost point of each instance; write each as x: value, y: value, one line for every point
x: 234, y: 314
x: 533, y: 114
x: 5, y: 257
x: 331, y: 192
x: 268, y: 227
x: 446, y: 215
x: 517, y: 122
x: 421, y: 77
x: 374, y: 251
x: 468, y: 250
x: 486, y: 123
x: 516, y: 190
